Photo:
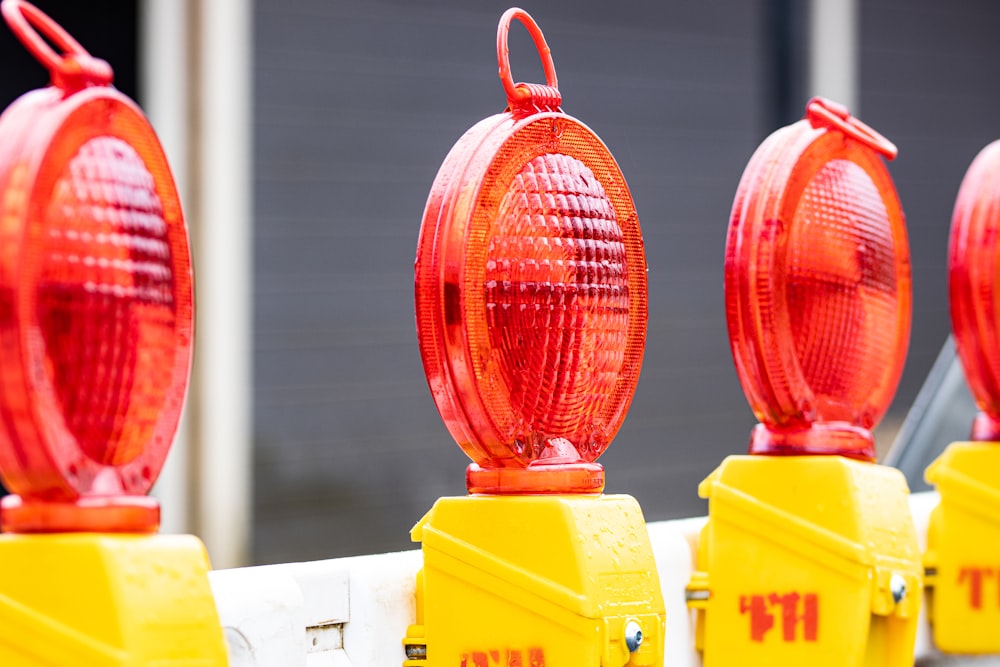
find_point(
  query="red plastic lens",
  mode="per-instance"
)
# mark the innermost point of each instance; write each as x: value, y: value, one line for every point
x: 531, y: 300
x: 96, y: 301
x: 973, y: 272
x: 105, y: 300
x: 556, y: 301
x: 818, y: 288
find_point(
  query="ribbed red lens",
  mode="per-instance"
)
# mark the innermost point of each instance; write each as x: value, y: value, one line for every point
x: 817, y: 292
x: 531, y: 302
x: 105, y: 300
x: 843, y: 292
x: 96, y: 300
x: 556, y: 301
x: 97, y: 311
x: 531, y: 291
x: 973, y: 273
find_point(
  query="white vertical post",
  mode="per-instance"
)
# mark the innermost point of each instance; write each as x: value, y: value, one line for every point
x: 834, y: 51
x: 163, y: 90
x: 195, y: 59
x: 222, y: 232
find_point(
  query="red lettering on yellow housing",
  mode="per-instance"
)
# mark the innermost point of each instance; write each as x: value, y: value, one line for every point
x: 795, y: 609
x: 975, y: 577
x: 760, y: 619
x: 504, y: 658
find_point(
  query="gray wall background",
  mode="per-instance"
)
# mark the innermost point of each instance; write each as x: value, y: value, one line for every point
x: 357, y: 102
x: 928, y: 70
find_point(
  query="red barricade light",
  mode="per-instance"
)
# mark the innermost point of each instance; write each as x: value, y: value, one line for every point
x: 96, y: 313
x: 531, y: 292
x: 972, y: 278
x: 817, y: 284
x: 963, y: 538
x: 531, y: 315
x: 96, y: 301
x: 816, y: 538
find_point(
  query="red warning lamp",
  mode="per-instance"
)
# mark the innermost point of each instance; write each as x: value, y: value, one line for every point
x: 96, y: 302
x: 972, y: 274
x: 963, y: 532
x: 817, y: 284
x: 531, y: 292
x: 818, y: 305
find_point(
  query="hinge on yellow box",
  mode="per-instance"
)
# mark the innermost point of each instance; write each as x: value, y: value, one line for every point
x: 415, y: 647
x: 930, y: 581
x: 697, y: 592
x: 930, y: 569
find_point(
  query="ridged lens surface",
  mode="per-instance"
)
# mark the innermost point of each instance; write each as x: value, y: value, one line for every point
x: 973, y: 276
x: 842, y: 291
x: 557, y: 300
x: 96, y: 313
x: 531, y: 302
x: 105, y: 300
x: 817, y: 292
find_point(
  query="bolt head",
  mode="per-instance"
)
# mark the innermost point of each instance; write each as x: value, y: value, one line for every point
x: 897, y: 586
x: 633, y: 636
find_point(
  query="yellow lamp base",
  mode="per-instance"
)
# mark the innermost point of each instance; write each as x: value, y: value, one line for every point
x: 107, y: 601
x: 533, y: 580
x: 963, y: 554
x: 807, y: 561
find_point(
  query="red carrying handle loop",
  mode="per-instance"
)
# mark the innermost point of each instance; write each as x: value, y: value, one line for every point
x: 76, y: 68
x: 521, y: 94
x: 822, y: 112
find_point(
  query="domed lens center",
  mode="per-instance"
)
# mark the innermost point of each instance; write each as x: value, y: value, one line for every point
x: 557, y: 302
x: 842, y: 293
x: 105, y: 300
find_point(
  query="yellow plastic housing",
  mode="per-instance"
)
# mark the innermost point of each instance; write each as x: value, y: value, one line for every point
x: 809, y: 560
x: 963, y: 549
x: 107, y: 601
x: 533, y: 580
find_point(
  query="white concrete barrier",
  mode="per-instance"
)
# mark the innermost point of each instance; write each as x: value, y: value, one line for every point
x: 353, y: 612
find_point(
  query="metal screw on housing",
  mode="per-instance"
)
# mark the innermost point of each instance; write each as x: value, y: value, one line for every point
x: 416, y: 651
x: 633, y: 636
x: 897, y: 586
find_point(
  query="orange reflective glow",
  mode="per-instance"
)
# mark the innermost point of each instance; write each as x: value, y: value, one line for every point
x: 96, y: 307
x: 972, y: 278
x: 818, y: 286
x: 531, y: 298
